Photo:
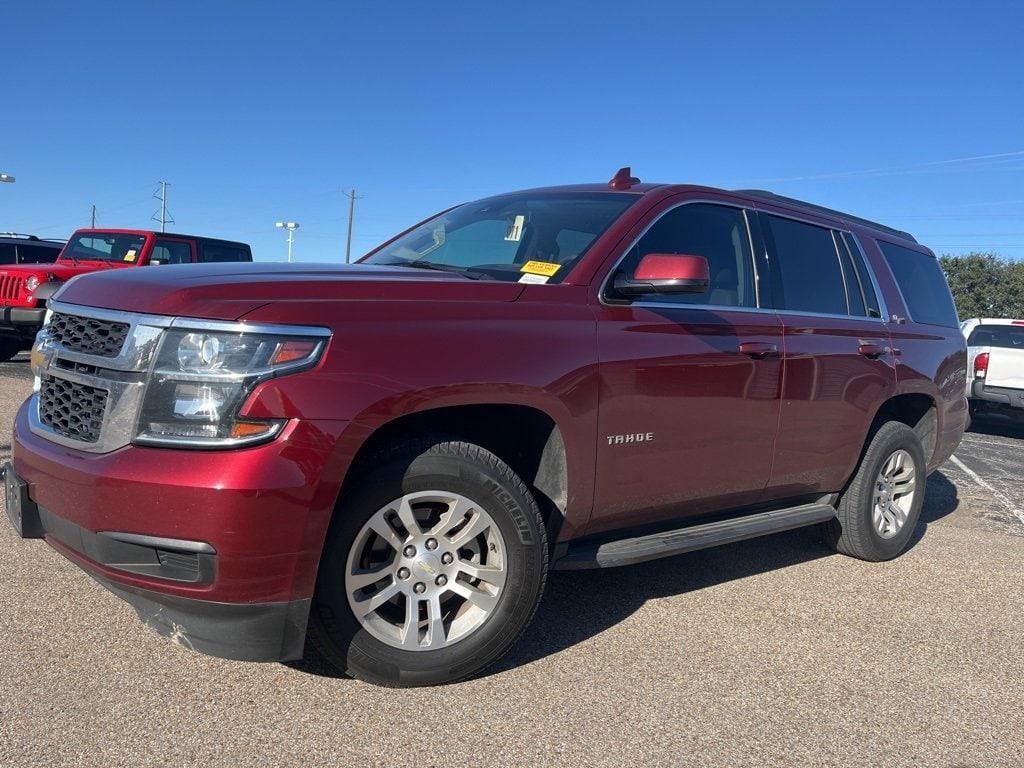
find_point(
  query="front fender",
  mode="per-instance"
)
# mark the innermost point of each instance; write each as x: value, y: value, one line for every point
x: 46, y: 290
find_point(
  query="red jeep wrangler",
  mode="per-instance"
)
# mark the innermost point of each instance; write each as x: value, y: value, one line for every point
x: 390, y: 456
x: 25, y: 288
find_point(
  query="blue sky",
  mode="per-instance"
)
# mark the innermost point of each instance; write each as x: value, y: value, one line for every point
x: 256, y: 112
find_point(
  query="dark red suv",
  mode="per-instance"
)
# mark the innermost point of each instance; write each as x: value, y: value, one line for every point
x: 388, y: 457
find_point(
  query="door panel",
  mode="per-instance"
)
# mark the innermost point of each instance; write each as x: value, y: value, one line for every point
x: 838, y: 366
x: 707, y: 413
x: 834, y: 382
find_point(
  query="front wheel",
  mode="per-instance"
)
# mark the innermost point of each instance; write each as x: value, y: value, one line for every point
x: 434, y: 565
x: 879, y: 509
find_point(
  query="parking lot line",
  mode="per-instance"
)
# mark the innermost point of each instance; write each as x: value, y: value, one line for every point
x: 996, y: 493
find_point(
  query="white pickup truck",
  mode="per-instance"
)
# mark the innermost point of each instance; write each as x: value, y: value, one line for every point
x: 995, y: 365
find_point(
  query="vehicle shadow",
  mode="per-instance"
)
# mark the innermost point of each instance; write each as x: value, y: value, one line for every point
x: 995, y: 425
x: 579, y: 605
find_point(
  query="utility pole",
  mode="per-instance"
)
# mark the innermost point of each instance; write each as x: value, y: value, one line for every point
x: 351, y: 212
x: 165, y: 217
x: 93, y: 225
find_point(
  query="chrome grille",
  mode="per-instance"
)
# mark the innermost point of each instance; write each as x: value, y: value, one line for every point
x: 88, y: 335
x: 10, y: 286
x: 72, y: 409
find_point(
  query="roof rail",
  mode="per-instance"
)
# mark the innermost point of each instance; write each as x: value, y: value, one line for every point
x: 18, y: 234
x: 771, y: 196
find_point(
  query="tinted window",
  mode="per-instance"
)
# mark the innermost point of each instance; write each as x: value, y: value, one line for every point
x: 37, y: 254
x: 922, y: 284
x: 221, y: 252
x: 1005, y: 336
x: 7, y: 255
x: 867, y: 287
x: 716, y: 232
x: 809, y: 278
x: 171, y: 252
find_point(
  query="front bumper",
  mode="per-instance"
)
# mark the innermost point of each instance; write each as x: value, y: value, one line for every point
x: 217, y: 550
x: 24, y: 321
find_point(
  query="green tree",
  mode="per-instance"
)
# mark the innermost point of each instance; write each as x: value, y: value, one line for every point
x: 985, y: 285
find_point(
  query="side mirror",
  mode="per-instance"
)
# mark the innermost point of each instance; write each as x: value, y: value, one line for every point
x: 155, y: 262
x: 666, y: 273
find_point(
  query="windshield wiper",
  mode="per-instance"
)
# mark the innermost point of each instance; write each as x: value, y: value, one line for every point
x: 420, y: 264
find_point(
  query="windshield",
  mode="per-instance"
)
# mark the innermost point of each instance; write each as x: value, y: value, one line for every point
x: 1005, y: 336
x: 104, y: 246
x: 527, y: 237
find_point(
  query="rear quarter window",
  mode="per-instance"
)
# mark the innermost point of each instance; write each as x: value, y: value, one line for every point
x: 922, y: 284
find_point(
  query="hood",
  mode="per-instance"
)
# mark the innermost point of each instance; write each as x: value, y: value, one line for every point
x: 229, y: 291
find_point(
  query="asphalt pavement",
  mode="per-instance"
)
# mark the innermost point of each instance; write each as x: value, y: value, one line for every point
x: 772, y: 652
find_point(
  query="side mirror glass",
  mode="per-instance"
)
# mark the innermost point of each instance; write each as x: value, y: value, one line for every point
x: 664, y: 273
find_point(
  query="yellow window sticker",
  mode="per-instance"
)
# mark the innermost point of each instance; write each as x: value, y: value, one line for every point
x: 540, y: 268
x: 130, y: 255
x: 515, y: 229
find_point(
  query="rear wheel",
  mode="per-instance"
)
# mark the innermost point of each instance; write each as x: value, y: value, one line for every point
x: 878, y: 512
x: 434, y: 566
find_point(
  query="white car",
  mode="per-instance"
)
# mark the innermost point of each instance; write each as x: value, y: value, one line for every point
x: 995, y: 365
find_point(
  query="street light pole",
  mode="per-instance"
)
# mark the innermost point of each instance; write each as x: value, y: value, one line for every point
x: 291, y: 226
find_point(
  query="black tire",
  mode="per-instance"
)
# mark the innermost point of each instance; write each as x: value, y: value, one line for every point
x: 419, y: 465
x: 9, y: 348
x: 852, y: 532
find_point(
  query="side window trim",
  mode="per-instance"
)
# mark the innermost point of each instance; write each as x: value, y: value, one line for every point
x: 756, y: 274
x: 842, y: 271
x: 850, y: 274
x: 853, y: 243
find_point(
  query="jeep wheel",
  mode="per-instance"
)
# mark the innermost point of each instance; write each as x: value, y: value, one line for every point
x: 878, y: 511
x: 434, y: 565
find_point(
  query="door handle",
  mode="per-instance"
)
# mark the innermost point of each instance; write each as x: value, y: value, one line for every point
x: 873, y: 351
x: 759, y: 350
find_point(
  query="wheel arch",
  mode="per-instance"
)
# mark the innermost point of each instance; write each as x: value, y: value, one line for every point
x: 917, y: 410
x: 528, y: 438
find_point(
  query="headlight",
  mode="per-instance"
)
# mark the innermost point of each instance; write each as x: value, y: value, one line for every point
x: 201, y: 379
x: 32, y: 282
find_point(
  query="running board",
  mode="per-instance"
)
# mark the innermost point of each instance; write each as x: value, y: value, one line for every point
x: 610, y: 554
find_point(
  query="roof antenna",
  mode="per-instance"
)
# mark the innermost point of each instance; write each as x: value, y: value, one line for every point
x: 623, y: 179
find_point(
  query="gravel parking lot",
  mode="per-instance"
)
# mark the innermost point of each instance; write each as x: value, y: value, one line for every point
x: 770, y: 652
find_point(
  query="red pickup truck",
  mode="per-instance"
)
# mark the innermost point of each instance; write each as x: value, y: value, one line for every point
x: 389, y: 457
x: 25, y: 288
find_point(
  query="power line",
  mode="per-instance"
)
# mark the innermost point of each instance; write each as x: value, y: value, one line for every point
x: 980, y: 162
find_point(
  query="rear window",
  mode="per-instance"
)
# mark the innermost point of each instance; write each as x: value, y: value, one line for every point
x: 922, y: 284
x: 1004, y: 336
x: 221, y: 252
